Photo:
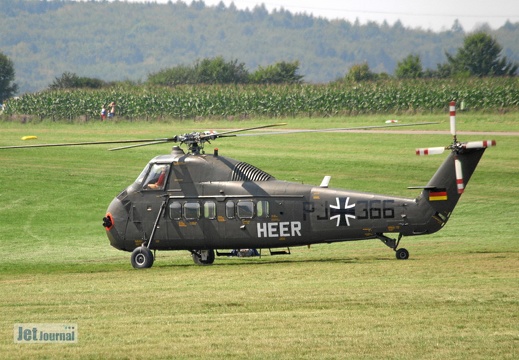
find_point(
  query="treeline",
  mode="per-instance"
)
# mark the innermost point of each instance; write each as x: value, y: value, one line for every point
x: 286, y: 100
x: 205, y: 71
x: 477, y: 74
x: 119, y: 40
x: 480, y: 56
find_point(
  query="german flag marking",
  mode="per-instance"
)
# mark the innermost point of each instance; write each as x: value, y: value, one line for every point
x: 438, y: 195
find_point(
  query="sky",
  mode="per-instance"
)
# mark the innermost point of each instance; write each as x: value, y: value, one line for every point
x: 434, y: 15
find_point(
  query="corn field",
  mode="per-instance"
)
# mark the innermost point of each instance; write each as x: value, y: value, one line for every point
x: 243, y: 101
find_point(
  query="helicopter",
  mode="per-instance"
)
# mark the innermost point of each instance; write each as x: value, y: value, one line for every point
x: 212, y: 205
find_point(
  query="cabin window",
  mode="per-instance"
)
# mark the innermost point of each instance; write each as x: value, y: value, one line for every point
x: 175, y: 210
x: 245, y: 209
x: 263, y: 209
x: 191, y: 211
x: 210, y: 210
x: 229, y: 209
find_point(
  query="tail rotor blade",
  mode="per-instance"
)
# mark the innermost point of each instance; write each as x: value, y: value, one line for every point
x: 459, y: 176
x: 430, y: 151
x: 452, y: 111
x: 479, y: 144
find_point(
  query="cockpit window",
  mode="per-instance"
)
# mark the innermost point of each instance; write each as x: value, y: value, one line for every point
x: 157, y: 177
x: 141, y: 177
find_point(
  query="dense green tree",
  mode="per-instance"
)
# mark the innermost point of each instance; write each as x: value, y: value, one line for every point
x: 360, y: 72
x: 72, y: 81
x: 409, y: 68
x: 205, y: 71
x: 219, y: 71
x: 7, y: 87
x: 442, y: 71
x: 480, y: 56
x: 280, y: 73
x: 177, y: 75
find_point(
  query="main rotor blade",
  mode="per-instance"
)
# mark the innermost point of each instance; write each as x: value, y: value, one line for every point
x: 226, y: 133
x: 80, y: 143
x: 138, y: 145
x: 337, y: 129
x: 145, y: 141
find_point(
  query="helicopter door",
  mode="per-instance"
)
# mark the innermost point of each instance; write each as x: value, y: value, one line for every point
x: 148, y: 202
x: 238, y: 216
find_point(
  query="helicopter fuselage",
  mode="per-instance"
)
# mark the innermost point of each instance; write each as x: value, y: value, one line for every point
x: 202, y: 203
x: 215, y: 202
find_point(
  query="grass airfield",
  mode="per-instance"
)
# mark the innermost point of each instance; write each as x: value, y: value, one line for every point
x: 457, y: 297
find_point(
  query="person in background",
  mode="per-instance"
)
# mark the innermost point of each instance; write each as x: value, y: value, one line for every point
x: 111, y: 114
x: 103, y: 113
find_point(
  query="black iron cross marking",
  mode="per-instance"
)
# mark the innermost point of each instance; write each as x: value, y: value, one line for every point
x: 342, y: 207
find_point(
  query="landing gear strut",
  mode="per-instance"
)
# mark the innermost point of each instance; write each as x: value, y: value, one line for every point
x: 401, y: 254
x: 142, y: 257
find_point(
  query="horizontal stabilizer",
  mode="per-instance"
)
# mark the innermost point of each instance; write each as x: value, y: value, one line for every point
x: 426, y: 187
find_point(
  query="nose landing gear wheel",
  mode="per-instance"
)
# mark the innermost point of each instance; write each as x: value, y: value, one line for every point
x: 402, y: 254
x: 142, y: 258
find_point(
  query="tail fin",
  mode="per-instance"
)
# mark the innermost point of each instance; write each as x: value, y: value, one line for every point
x: 443, y: 190
x: 439, y: 197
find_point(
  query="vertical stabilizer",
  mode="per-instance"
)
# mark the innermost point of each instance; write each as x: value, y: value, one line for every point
x: 443, y: 190
x: 441, y: 194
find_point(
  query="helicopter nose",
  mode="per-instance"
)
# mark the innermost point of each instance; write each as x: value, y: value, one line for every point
x: 112, y: 222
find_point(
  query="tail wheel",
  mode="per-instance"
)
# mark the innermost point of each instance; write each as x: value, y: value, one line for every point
x: 142, y: 258
x: 203, y: 257
x: 402, y: 254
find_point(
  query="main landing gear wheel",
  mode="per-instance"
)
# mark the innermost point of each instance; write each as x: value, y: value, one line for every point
x: 402, y: 254
x: 203, y: 257
x: 142, y: 258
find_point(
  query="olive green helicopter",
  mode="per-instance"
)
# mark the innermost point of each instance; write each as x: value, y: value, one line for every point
x: 212, y: 205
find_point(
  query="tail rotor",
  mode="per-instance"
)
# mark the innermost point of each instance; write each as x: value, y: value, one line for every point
x: 457, y: 148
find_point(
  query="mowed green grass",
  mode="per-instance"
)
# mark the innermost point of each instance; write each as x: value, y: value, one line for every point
x: 457, y: 297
